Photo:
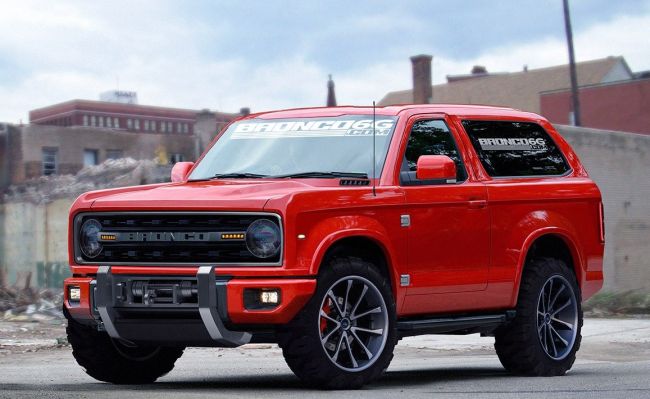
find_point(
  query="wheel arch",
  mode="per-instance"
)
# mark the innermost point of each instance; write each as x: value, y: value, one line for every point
x: 550, y: 242
x: 363, y: 244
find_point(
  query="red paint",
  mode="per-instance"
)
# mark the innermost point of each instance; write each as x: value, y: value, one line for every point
x: 465, y: 248
x: 180, y: 171
x: 432, y: 167
x: 621, y: 106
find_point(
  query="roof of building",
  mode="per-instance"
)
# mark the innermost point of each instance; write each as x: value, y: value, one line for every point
x: 114, y: 107
x: 517, y: 89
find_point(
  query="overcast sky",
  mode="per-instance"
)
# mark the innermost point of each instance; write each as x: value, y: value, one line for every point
x: 272, y: 54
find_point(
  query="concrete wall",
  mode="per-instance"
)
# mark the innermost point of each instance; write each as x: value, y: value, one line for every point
x: 620, y: 164
x: 34, y: 236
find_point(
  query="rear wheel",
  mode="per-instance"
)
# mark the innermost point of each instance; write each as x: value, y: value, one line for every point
x: 545, y: 335
x: 345, y: 335
x: 118, y: 362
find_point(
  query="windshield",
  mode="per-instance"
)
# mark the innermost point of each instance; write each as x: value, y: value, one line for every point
x: 307, y: 146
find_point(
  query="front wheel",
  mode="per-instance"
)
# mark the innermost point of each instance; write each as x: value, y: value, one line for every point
x: 109, y: 360
x: 545, y: 335
x: 345, y: 335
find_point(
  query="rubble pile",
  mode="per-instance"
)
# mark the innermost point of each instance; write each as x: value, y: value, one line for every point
x: 29, y: 304
x: 21, y: 302
x: 111, y: 173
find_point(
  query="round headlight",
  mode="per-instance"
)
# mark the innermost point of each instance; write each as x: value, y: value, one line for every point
x: 89, y: 238
x: 263, y: 238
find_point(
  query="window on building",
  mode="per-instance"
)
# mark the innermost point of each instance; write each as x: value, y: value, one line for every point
x: 173, y: 158
x: 109, y: 122
x: 515, y: 149
x: 101, y: 121
x: 136, y: 124
x: 163, y: 127
x: 114, y: 154
x: 178, y: 127
x: 91, y: 157
x: 129, y: 123
x: 429, y: 137
x: 50, y: 161
x: 146, y: 125
x: 116, y: 123
x: 170, y: 127
x: 93, y: 120
x: 85, y: 120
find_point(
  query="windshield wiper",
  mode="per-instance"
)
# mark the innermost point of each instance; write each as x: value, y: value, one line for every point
x: 306, y: 175
x: 240, y: 175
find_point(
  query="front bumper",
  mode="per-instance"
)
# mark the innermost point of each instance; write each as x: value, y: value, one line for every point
x: 213, y: 313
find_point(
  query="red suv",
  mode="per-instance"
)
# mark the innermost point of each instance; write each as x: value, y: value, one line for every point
x: 335, y: 232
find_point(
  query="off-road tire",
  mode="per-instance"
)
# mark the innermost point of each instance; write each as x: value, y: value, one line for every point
x: 518, y: 344
x: 106, y: 360
x: 300, y: 340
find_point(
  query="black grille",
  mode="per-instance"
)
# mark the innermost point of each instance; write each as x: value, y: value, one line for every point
x: 170, y: 251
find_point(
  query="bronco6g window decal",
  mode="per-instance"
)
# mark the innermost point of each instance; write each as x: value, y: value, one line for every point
x: 509, y: 144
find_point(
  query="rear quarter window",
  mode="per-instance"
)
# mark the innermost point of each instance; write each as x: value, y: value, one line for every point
x: 515, y: 149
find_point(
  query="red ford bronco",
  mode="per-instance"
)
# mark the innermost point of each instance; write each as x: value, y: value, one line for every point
x: 335, y: 232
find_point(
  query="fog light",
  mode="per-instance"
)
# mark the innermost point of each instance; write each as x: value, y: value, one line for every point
x: 74, y: 293
x: 262, y: 298
x: 270, y: 297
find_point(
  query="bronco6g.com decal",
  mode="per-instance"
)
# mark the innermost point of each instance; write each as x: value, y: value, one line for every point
x: 312, y: 128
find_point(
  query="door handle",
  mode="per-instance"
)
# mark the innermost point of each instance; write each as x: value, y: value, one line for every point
x: 477, y: 204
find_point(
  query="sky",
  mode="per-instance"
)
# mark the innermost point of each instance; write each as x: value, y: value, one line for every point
x: 224, y: 55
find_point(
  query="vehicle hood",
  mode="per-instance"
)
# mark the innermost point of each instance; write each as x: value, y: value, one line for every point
x: 208, y: 195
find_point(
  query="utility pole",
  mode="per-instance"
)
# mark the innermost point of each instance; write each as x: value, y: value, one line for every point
x: 572, y: 65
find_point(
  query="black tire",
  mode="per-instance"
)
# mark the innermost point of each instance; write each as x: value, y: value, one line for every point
x: 523, y: 346
x: 300, y: 340
x: 107, y: 360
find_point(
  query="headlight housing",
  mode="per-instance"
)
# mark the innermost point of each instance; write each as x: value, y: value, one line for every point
x: 89, y: 238
x: 263, y: 238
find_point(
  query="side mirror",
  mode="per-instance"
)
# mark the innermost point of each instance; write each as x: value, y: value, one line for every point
x: 180, y: 171
x: 435, y: 167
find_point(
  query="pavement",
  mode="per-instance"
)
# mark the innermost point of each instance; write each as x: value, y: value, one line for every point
x: 613, y: 362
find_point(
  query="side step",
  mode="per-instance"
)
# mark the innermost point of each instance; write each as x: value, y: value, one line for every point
x: 484, y: 324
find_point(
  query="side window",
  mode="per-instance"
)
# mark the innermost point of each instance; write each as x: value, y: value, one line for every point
x: 429, y: 137
x: 515, y: 149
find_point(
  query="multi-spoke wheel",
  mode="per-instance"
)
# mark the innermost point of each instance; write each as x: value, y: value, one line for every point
x: 345, y: 335
x: 545, y: 335
x: 353, y: 323
x: 557, y: 317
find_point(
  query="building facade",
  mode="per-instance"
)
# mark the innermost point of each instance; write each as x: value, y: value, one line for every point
x: 63, y: 138
x: 122, y: 116
x: 520, y: 90
x: 621, y: 106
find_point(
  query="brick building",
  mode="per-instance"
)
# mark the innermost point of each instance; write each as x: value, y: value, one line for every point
x: 122, y: 116
x: 63, y: 138
x: 519, y: 90
x: 622, y: 106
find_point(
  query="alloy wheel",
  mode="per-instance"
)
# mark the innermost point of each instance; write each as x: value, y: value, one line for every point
x: 353, y: 323
x: 557, y: 317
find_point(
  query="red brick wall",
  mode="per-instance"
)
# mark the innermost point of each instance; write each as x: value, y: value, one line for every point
x: 623, y: 106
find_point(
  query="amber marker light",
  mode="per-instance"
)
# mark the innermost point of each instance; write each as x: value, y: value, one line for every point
x: 232, y: 236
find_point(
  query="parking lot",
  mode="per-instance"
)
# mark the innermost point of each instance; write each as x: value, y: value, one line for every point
x: 614, y: 362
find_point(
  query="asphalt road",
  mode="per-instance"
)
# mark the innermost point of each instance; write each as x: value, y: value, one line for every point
x: 614, y: 362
